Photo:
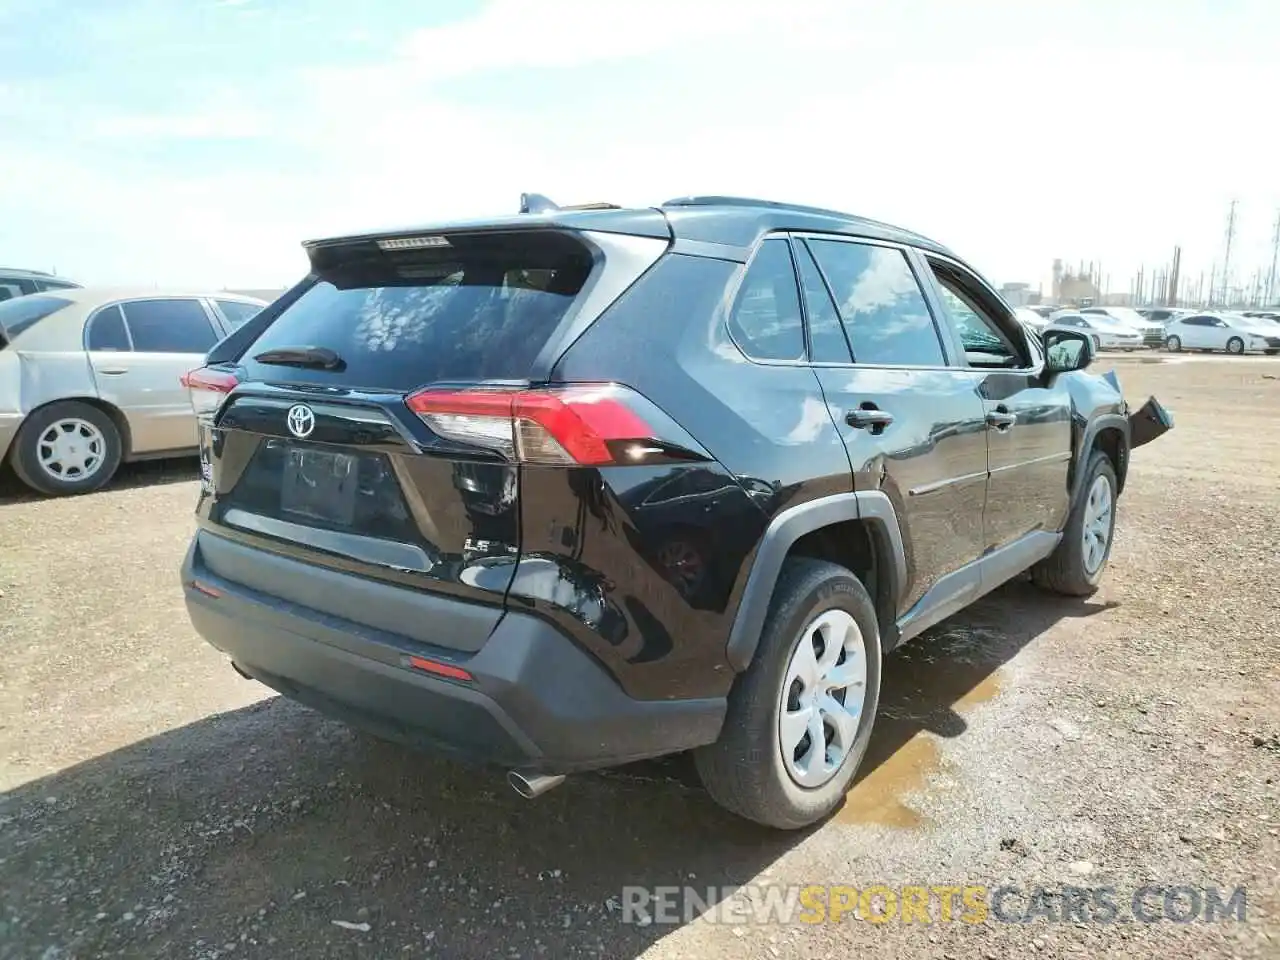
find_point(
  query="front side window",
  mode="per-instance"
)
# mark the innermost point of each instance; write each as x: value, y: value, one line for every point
x: 881, y: 305
x: 986, y: 342
x: 173, y: 325
x: 765, y: 321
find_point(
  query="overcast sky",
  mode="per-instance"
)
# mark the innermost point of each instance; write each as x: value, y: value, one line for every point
x: 158, y: 141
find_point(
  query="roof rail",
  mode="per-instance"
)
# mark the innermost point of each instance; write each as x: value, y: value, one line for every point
x: 718, y: 201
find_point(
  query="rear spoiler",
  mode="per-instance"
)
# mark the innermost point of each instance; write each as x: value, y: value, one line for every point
x: 536, y: 213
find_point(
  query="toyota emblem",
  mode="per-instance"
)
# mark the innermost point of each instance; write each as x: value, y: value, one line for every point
x: 301, y: 420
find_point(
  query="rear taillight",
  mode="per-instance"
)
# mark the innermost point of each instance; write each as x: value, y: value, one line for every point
x: 208, y: 388
x: 586, y: 425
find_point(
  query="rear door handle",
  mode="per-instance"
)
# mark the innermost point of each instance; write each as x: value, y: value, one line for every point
x: 872, y: 419
x: 113, y: 371
x: 1001, y: 418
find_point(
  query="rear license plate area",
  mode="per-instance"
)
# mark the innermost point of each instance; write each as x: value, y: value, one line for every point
x: 320, y: 485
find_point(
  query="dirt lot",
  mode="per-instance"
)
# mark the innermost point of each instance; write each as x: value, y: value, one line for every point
x: 156, y: 805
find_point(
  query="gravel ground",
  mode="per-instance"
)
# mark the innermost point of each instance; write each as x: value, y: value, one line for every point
x: 156, y: 805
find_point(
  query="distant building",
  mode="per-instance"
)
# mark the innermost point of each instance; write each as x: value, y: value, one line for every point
x: 1018, y: 294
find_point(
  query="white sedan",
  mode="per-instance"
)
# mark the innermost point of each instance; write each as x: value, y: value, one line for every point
x: 1229, y: 332
x: 1107, y: 333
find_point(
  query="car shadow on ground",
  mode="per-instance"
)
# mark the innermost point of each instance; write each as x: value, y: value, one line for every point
x: 143, y: 473
x: 259, y: 827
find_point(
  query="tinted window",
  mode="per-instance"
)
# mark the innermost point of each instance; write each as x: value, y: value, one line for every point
x: 826, y: 338
x: 55, y: 285
x: 106, y: 330
x: 481, y: 308
x: 884, y: 312
x: 237, y: 312
x: 22, y: 313
x: 169, y: 326
x: 10, y: 290
x: 986, y: 343
x: 766, y: 317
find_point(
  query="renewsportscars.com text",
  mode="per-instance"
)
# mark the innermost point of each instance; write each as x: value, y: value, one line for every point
x: 933, y: 903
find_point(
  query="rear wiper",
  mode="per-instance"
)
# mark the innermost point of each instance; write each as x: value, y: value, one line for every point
x: 321, y: 357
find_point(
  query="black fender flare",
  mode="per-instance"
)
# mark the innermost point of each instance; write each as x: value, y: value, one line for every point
x: 871, y: 506
x: 1105, y: 421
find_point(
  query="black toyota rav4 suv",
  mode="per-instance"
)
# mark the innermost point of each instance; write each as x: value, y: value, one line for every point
x: 579, y: 486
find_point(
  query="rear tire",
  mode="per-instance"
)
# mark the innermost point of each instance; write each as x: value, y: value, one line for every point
x: 747, y: 770
x: 1235, y: 345
x: 66, y: 448
x: 1174, y: 345
x: 1076, y: 567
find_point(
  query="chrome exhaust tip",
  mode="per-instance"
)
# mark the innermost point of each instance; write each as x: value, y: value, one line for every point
x: 533, y: 785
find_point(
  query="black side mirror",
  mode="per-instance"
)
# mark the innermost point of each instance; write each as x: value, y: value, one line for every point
x: 1067, y: 350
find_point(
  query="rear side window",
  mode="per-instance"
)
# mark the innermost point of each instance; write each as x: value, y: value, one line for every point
x: 481, y: 308
x: 173, y: 325
x: 765, y: 321
x: 826, y: 338
x: 22, y: 313
x: 106, y: 330
x: 237, y: 312
x: 883, y: 309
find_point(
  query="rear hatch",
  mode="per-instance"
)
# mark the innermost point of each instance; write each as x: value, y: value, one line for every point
x: 317, y: 443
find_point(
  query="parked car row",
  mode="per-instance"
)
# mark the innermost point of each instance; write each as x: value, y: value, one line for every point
x: 90, y: 378
x: 1123, y: 328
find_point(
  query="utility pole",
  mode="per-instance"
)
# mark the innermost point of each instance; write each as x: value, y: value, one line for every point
x: 1275, y: 253
x: 1171, y: 291
x: 1226, y: 260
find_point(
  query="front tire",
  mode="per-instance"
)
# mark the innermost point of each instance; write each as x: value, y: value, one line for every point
x: 815, y: 673
x: 1235, y: 345
x: 1076, y: 567
x: 67, y: 448
x: 1174, y: 345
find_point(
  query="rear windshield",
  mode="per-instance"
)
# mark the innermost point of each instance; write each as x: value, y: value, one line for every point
x: 22, y: 313
x: 480, y: 308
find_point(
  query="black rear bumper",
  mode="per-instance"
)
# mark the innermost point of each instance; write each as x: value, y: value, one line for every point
x: 536, y: 702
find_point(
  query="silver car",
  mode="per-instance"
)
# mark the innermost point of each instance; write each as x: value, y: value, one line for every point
x: 91, y: 377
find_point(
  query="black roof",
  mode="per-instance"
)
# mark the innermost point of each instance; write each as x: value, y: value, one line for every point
x: 735, y: 223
